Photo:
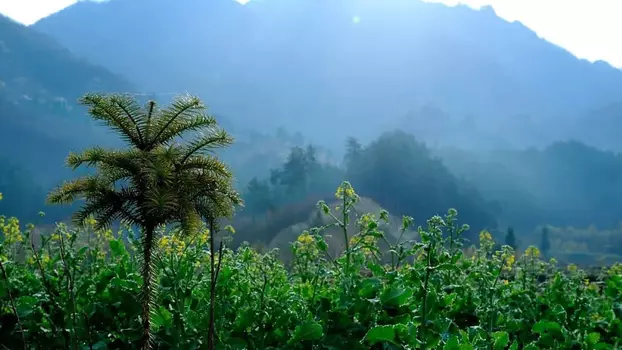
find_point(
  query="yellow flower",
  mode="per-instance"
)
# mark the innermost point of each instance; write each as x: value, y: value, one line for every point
x: 349, y: 192
x: 339, y: 193
x: 345, y: 190
x: 615, y: 269
x: 506, y: 282
x: 553, y: 261
x: 366, y: 241
x: 485, y: 236
x: 172, y: 244
x: 306, y: 243
x: 572, y: 268
x: 0, y: 196
x: 45, y: 259
x: 163, y: 242
x: 101, y: 254
x: 586, y: 282
x: 593, y: 287
x: 11, y: 231
x: 206, y: 259
x: 532, y: 252
x: 510, y: 262
x: 485, y: 240
x: 91, y: 221
x: 305, y: 238
x: 203, y: 237
x: 106, y: 235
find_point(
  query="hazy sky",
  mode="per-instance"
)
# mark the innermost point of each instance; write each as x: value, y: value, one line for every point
x: 587, y: 28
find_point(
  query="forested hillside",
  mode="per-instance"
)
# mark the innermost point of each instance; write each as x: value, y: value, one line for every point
x: 40, y: 82
x: 565, y: 183
x: 322, y: 67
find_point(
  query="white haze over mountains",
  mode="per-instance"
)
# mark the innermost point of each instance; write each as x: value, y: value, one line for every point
x: 587, y: 28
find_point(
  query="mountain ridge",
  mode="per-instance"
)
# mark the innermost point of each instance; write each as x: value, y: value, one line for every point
x: 40, y: 119
x: 307, y: 65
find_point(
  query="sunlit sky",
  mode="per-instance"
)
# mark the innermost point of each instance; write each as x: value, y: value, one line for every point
x: 588, y: 28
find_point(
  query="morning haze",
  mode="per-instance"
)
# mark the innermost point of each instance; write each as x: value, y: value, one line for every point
x: 420, y: 106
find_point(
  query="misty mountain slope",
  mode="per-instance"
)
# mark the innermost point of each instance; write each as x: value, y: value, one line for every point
x: 40, y: 82
x: 324, y: 66
x: 566, y: 183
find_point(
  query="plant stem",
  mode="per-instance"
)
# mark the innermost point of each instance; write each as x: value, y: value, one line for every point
x: 147, y: 287
x: 70, y: 289
x: 214, y: 279
x: 344, y: 226
x: 8, y: 288
x: 493, y: 311
x: 428, y: 272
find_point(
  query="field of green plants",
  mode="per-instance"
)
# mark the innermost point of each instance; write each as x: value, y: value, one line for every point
x: 80, y: 289
x: 166, y: 278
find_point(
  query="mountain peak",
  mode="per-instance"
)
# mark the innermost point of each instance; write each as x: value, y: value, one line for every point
x: 286, y: 62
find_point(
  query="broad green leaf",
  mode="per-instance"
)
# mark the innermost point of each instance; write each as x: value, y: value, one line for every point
x: 369, y: 288
x: 161, y: 317
x: 117, y: 248
x: 82, y: 251
x: 380, y: 334
x: 237, y: 343
x: 593, y: 338
x: 25, y: 305
x: 501, y: 340
x: 322, y: 245
x: 309, y: 330
x: 396, y: 296
x: 546, y: 326
x: 452, y: 343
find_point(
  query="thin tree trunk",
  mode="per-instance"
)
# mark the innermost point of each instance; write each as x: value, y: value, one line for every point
x: 147, y: 289
x: 213, y: 279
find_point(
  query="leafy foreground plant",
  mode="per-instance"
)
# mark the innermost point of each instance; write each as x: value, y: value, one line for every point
x: 77, y: 289
x: 155, y: 181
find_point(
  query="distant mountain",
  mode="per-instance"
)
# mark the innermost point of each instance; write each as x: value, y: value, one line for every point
x: 40, y: 77
x: 330, y: 68
x: 566, y: 183
x: 40, y: 121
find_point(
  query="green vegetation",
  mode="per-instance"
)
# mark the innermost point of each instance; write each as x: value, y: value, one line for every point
x: 77, y: 287
x: 156, y: 181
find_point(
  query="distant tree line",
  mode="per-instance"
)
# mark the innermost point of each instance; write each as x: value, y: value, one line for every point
x: 395, y: 170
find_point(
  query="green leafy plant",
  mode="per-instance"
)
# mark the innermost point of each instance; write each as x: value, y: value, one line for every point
x: 76, y: 287
x: 156, y: 181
